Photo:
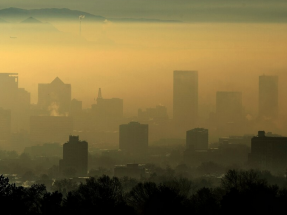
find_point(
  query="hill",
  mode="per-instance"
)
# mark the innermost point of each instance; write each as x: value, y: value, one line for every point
x: 31, y: 20
x: 62, y: 14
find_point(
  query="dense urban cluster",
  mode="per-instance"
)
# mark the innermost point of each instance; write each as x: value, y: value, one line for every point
x: 114, y: 168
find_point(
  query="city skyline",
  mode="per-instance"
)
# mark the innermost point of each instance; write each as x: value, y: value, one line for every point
x: 143, y: 107
x: 199, y: 104
x: 122, y: 56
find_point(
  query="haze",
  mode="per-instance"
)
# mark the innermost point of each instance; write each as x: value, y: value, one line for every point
x: 140, y: 106
x: 131, y: 60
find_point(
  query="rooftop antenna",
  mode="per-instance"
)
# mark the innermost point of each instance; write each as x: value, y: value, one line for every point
x: 80, y: 18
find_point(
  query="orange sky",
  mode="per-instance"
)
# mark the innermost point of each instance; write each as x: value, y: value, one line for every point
x: 135, y: 61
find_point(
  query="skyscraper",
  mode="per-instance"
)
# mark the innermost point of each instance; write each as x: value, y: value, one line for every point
x: 185, y: 97
x: 15, y: 99
x: 197, y: 139
x: 133, y: 138
x: 268, y: 97
x: 55, y: 98
x: 75, y: 157
x: 228, y: 106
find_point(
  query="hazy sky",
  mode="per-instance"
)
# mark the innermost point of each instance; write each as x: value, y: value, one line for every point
x: 240, y: 40
x: 136, y: 61
x: 185, y: 10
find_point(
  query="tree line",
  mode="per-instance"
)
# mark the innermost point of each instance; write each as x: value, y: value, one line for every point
x: 239, y: 192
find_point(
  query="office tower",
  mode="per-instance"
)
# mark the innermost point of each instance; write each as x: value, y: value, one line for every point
x: 8, y: 90
x: 15, y: 99
x: 75, y: 157
x: 197, y: 139
x: 108, y: 109
x: 133, y: 138
x: 268, y: 97
x: 54, y: 98
x: 185, y: 97
x: 268, y: 153
x: 229, y: 106
x: 45, y: 129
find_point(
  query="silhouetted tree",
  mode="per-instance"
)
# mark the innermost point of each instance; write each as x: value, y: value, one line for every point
x: 102, y: 196
x: 245, y: 191
x: 51, y: 203
x: 64, y: 186
x: 148, y: 198
x: 205, y: 201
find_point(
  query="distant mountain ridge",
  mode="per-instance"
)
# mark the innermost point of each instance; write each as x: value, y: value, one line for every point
x: 31, y: 20
x: 52, y: 14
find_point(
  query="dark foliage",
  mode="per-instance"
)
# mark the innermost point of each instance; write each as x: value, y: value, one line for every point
x: 102, y: 196
x: 240, y: 192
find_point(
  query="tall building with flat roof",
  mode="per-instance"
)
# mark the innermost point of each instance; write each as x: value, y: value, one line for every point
x: 133, y: 138
x: 8, y: 90
x: 55, y: 97
x: 75, y: 157
x: 15, y: 99
x: 185, y: 97
x: 268, y: 97
x: 229, y: 106
x: 268, y: 153
x: 197, y: 139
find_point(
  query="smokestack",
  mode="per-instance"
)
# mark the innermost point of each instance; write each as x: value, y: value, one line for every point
x: 100, y: 94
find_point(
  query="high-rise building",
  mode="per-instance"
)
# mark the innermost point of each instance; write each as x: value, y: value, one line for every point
x: 268, y: 153
x: 268, y: 97
x: 8, y: 90
x: 133, y: 138
x: 229, y: 106
x: 197, y: 139
x: 75, y: 157
x: 15, y: 99
x: 185, y: 97
x: 54, y: 98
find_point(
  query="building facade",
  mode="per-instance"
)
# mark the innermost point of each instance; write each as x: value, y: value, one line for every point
x: 75, y: 157
x: 15, y: 99
x: 268, y: 97
x: 197, y: 139
x: 268, y: 153
x: 185, y: 97
x: 133, y: 138
x: 54, y: 98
